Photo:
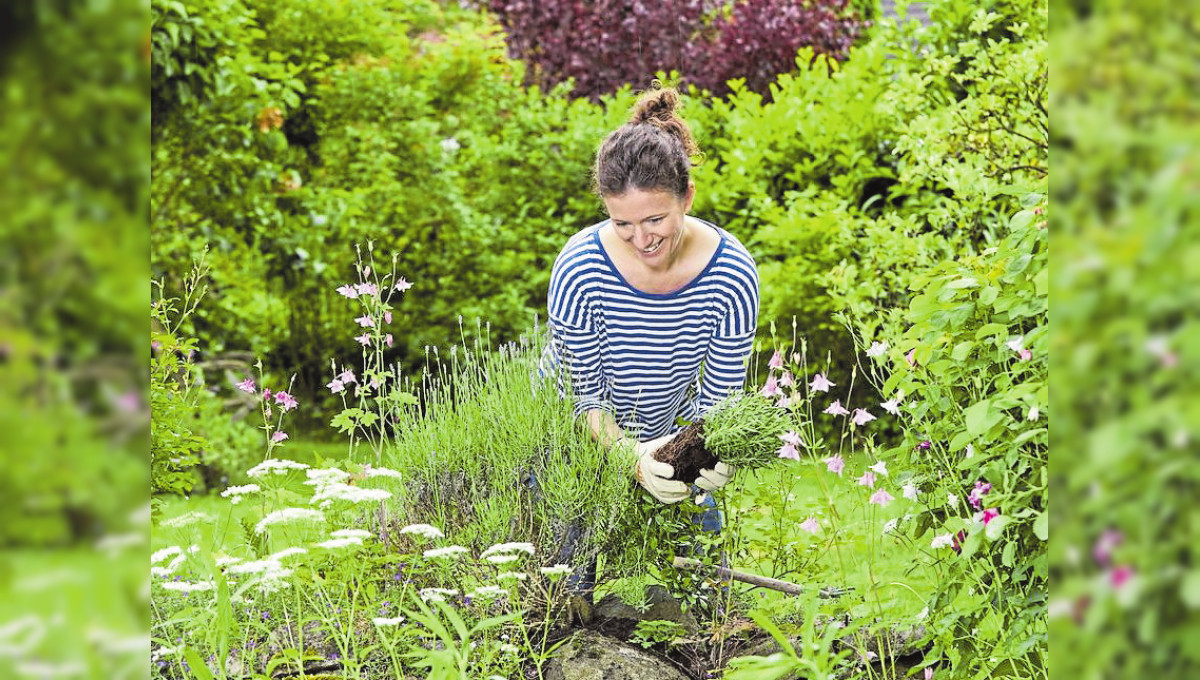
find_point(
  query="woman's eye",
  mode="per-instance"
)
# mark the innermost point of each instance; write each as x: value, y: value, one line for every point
x: 656, y: 220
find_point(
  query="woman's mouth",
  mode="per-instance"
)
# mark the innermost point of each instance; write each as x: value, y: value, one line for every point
x: 652, y: 249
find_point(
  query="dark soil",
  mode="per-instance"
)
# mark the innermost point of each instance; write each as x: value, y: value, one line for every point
x: 686, y: 453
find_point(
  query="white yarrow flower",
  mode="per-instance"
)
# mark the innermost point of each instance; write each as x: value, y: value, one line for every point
x: 556, y: 570
x: 238, y: 491
x: 501, y: 548
x: 288, y: 515
x: 160, y: 555
x: 426, y: 530
x: 382, y: 472
x: 352, y: 533
x: 502, y: 559
x: 255, y: 567
x: 890, y: 525
x: 486, y: 592
x: 448, y: 551
x: 511, y: 576
x: 188, y: 519
x: 188, y: 588
x: 942, y: 541
x: 223, y: 562
x: 336, y: 543
x: 275, y: 466
x: 436, y: 594
x: 288, y: 552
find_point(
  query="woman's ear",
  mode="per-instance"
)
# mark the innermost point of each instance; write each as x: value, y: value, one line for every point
x: 689, y: 197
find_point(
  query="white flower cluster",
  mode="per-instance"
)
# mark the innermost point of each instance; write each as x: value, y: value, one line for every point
x: 330, y: 485
x: 383, y: 621
x: 511, y: 575
x: 275, y: 466
x: 360, y: 534
x: 436, y: 594
x: 235, y: 493
x: 223, y: 562
x: 505, y: 548
x: 502, y: 559
x: 426, y: 530
x: 188, y: 519
x: 556, y: 570
x: 160, y: 555
x: 287, y: 515
x: 488, y: 592
x: 188, y: 588
x: 336, y: 543
x: 382, y: 472
x: 287, y: 552
x: 448, y: 551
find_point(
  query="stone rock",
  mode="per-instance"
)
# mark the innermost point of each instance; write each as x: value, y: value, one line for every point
x: 617, y: 615
x: 589, y: 655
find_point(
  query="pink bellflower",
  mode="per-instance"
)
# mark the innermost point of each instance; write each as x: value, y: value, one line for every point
x: 836, y: 409
x: 861, y: 417
x: 811, y: 525
x: 881, y: 498
x: 364, y: 339
x: 348, y: 290
x: 835, y: 464
x: 279, y: 436
x: 867, y: 479
x: 776, y: 360
x: 821, y: 384
x: 335, y: 386
x: 771, y: 388
x: 789, y: 451
x: 365, y: 321
x: 402, y: 285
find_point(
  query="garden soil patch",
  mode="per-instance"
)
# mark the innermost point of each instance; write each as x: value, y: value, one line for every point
x: 687, y: 453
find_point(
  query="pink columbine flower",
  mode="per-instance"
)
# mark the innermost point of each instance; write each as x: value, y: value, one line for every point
x: 335, y: 386
x: 402, y: 285
x: 387, y: 339
x: 364, y: 339
x: 285, y: 400
x: 975, y: 498
x: 784, y: 402
x: 861, y: 417
x: 348, y: 290
x: 877, y: 349
x: 881, y: 498
x: 786, y: 380
x: 879, y: 468
x: 791, y: 437
x: 835, y: 463
x: 365, y: 321
x: 821, y: 384
x: 247, y: 386
x: 267, y: 394
x: 1108, y: 541
x: 789, y: 451
x: 347, y: 376
x: 771, y: 388
x: 811, y: 525
x: 989, y: 515
x: 1025, y: 354
x: 892, y: 406
x: 924, y: 446
x: 387, y: 316
x: 367, y: 289
x: 928, y: 674
x: 836, y: 409
x: 776, y: 360
x: 279, y: 436
x: 911, y: 357
x: 867, y: 479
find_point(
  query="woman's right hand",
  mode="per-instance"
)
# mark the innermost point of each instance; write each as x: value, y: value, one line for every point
x: 655, y: 477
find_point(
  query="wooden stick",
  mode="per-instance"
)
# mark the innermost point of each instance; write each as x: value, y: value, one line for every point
x: 726, y: 574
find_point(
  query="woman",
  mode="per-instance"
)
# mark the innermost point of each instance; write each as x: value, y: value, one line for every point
x: 652, y: 312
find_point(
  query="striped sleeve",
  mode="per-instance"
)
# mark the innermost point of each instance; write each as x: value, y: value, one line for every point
x: 573, y: 336
x: 725, y: 361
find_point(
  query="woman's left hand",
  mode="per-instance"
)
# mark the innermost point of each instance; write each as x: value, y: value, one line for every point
x: 714, y: 478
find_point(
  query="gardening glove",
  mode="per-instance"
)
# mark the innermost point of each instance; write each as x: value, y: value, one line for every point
x: 654, y: 476
x: 711, y: 479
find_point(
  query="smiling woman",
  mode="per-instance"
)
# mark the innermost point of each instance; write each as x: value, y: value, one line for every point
x: 652, y: 312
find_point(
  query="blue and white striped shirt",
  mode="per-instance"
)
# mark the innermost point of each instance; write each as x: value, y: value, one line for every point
x: 650, y: 358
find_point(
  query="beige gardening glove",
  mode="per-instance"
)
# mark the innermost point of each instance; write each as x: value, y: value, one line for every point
x: 654, y: 476
x: 711, y: 479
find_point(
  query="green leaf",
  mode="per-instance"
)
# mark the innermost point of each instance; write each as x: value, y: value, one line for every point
x: 965, y: 282
x: 962, y: 350
x: 1189, y: 589
x: 1041, y: 526
x: 978, y: 418
x: 197, y: 666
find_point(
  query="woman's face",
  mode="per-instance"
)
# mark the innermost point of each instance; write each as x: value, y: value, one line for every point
x: 651, y: 223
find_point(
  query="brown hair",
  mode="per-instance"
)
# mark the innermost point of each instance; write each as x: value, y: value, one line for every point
x: 652, y: 152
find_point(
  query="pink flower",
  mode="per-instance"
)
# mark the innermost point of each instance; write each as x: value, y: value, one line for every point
x: 771, y: 388
x: 347, y: 376
x: 928, y: 674
x: 892, y: 406
x: 776, y: 360
x: 247, y: 386
x: 1120, y: 575
x: 786, y: 379
x: 836, y: 409
x: 387, y: 316
x: 811, y: 525
x: 879, y: 468
x: 1025, y: 354
x: 266, y: 395
x: 791, y: 437
x: 835, y: 464
x: 365, y: 321
x: 867, y: 479
x: 364, y: 339
x: 989, y: 515
x: 387, y: 339
x: 784, y: 402
x: 335, y: 386
x: 402, y: 285
x: 861, y: 417
x: 924, y: 446
x: 881, y: 498
x: 975, y: 498
x: 367, y: 289
x: 285, y: 400
x: 789, y: 451
x: 348, y: 290
x: 821, y: 384
x: 1108, y: 541
x: 911, y: 357
x: 279, y: 436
